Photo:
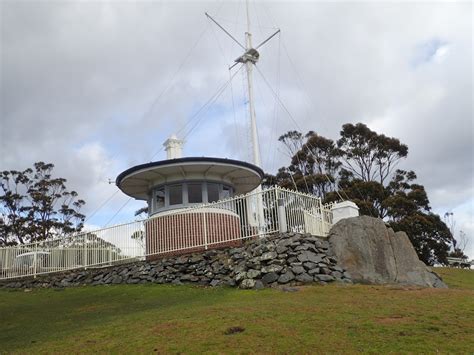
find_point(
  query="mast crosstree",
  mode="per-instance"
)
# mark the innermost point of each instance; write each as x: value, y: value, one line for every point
x: 249, y: 58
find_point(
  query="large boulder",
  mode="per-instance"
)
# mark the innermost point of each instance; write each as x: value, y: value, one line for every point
x: 375, y: 254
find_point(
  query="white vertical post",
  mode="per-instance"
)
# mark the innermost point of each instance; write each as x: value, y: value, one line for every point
x: 253, y: 124
x: 7, y: 267
x: 85, y: 251
x: 35, y: 259
x: 204, y: 226
x: 282, y: 216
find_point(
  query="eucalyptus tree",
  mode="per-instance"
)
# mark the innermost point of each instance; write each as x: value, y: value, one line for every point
x: 361, y: 166
x: 36, y: 206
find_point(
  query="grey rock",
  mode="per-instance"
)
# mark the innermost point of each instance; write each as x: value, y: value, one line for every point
x: 286, y: 277
x: 271, y: 268
x: 373, y: 253
x: 284, y: 243
x: 252, y: 274
x: 324, y: 271
x: 302, y: 247
x: 268, y: 256
x: 196, y: 258
x: 309, y: 256
x: 304, y: 277
x: 117, y: 279
x: 325, y: 278
x: 314, y: 271
x: 269, y: 278
x: 297, y: 269
x: 240, y: 276
x: 309, y: 265
x: 258, y: 285
x: 215, y: 283
x: 247, y: 283
x: 337, y: 268
x: 280, y: 262
x: 186, y: 277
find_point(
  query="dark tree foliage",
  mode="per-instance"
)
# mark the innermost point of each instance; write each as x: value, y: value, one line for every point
x: 35, y: 206
x: 404, y: 196
x: 293, y: 141
x: 141, y: 211
x: 368, y: 155
x: 314, y: 163
x: 360, y: 166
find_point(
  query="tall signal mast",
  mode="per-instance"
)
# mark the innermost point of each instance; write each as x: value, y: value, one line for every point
x: 249, y: 59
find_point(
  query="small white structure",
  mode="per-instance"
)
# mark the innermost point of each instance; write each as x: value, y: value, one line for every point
x: 173, y: 147
x: 344, y: 209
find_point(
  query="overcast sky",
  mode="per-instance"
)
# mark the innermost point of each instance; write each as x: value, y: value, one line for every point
x: 97, y: 86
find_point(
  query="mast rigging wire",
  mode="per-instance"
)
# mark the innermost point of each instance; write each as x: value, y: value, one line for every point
x: 236, y: 127
x: 209, y: 103
x: 311, y: 146
x: 116, y: 213
x: 102, y: 205
x: 291, y: 116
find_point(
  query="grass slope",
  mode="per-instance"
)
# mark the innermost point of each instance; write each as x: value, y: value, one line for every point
x: 172, y: 319
x: 457, y: 278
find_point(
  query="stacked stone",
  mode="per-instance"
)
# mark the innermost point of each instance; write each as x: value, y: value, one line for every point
x: 288, y: 258
x: 283, y: 259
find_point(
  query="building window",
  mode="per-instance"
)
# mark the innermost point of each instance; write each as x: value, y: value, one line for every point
x: 212, y: 192
x: 160, y: 198
x: 194, y: 192
x: 176, y: 194
x: 226, y: 192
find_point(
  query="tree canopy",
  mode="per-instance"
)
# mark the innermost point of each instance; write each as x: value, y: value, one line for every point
x: 361, y: 166
x: 36, y: 206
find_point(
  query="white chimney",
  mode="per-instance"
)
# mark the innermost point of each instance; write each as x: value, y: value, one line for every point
x: 173, y: 147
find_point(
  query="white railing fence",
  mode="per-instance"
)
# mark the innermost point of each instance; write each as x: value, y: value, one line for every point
x: 223, y: 223
x: 101, y: 247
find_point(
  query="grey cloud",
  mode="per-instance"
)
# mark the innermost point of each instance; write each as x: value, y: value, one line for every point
x: 79, y: 75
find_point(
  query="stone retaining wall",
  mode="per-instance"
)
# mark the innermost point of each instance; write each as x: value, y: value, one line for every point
x: 282, y: 259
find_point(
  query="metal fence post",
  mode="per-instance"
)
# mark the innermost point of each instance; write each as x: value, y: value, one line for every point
x: 204, y: 225
x: 35, y: 260
x: 85, y: 251
x: 7, y: 254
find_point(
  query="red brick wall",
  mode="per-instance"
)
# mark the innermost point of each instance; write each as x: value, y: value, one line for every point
x: 186, y: 232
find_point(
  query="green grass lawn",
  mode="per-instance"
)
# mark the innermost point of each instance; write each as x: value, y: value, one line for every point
x: 457, y: 278
x: 185, y: 319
